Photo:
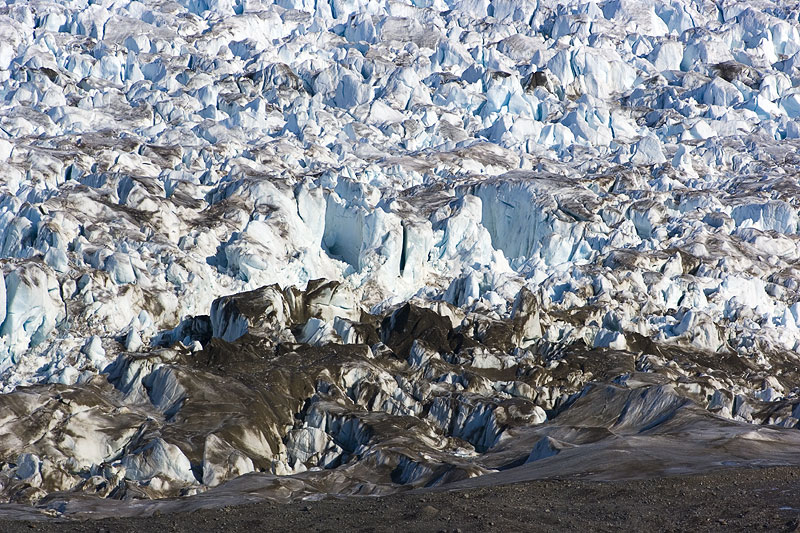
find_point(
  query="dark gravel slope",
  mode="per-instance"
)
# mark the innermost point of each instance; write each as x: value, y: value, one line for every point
x: 765, y: 499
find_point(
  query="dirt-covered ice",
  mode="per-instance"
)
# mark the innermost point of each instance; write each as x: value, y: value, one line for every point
x: 291, y: 248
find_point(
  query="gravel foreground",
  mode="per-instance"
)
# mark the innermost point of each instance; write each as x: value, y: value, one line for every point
x: 728, y: 500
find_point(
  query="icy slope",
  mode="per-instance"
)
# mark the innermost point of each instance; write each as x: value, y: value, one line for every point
x: 550, y: 181
x: 371, y: 406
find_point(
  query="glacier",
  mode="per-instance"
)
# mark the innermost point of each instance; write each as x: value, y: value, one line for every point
x: 310, y: 240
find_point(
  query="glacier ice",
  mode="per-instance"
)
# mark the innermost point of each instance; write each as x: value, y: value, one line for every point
x: 454, y: 202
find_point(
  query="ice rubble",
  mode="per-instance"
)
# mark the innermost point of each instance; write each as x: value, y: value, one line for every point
x: 615, y: 175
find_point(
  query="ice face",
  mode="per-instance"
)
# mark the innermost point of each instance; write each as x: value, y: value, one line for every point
x: 158, y: 458
x: 33, y: 307
x: 2, y: 300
